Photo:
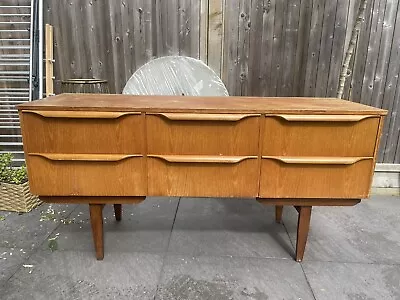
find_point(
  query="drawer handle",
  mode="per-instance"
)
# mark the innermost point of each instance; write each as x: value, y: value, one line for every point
x: 318, y: 160
x: 205, y: 117
x: 202, y: 159
x: 323, y: 118
x: 84, y: 157
x: 81, y: 114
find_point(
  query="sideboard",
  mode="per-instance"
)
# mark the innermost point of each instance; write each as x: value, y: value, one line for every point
x: 118, y: 149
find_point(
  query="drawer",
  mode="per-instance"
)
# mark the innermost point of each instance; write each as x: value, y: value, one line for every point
x: 195, y: 176
x: 320, y: 135
x: 86, y: 175
x: 203, y: 134
x: 285, y: 177
x: 83, y: 132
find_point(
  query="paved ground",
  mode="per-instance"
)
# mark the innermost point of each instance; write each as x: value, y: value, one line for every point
x: 202, y: 249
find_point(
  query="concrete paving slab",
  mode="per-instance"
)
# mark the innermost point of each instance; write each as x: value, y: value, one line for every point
x: 145, y: 227
x: 368, y: 232
x: 353, y: 281
x: 77, y: 275
x: 11, y: 259
x: 224, y: 278
x: 232, y: 227
x: 29, y: 230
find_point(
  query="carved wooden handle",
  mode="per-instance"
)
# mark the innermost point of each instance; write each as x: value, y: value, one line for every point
x: 81, y: 114
x: 85, y: 157
x: 205, y: 117
x: 318, y: 160
x: 202, y: 159
x: 324, y: 118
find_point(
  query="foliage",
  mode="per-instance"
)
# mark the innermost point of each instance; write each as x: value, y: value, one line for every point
x: 9, y: 174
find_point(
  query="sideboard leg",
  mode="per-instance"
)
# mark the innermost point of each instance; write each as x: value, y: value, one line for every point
x: 303, y: 226
x: 96, y: 219
x: 278, y: 213
x: 118, y: 211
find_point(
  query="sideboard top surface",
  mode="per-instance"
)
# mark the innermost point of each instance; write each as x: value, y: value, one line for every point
x: 181, y: 104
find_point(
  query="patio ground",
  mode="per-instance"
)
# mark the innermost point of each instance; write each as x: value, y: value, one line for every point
x: 170, y: 248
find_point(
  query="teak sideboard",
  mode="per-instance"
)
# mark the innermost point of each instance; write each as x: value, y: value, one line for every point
x: 117, y: 149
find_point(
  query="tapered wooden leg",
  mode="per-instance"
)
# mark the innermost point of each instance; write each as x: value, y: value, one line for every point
x: 118, y: 211
x: 303, y: 227
x: 278, y: 213
x: 96, y: 219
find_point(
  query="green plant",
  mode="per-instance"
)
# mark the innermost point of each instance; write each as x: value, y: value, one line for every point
x: 10, y: 174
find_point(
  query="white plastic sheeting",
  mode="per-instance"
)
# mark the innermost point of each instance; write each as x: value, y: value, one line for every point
x: 175, y: 75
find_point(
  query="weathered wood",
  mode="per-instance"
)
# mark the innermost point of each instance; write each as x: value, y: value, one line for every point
x: 215, y: 35
x: 373, y: 54
x: 277, y: 47
x: 266, y: 47
x: 302, y: 47
x: 231, y: 70
x: 325, y: 57
x: 285, y: 86
x: 314, y: 47
x: 390, y: 101
x: 339, y: 35
x: 356, y: 78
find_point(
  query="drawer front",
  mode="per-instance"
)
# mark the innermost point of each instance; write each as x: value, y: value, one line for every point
x: 201, y: 177
x: 62, y: 175
x: 299, y: 178
x: 320, y: 135
x: 203, y: 134
x: 83, y: 132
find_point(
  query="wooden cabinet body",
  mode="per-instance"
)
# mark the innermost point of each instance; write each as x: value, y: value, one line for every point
x: 101, y: 149
x: 200, y: 147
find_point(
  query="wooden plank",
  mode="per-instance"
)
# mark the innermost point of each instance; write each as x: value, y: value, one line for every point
x: 357, y: 76
x: 256, y: 30
x: 325, y: 56
x: 147, y: 7
x: 194, y: 25
x: 339, y: 36
x: 393, y: 156
x: 390, y: 134
x: 139, y: 34
x: 230, y: 68
x: 384, y: 53
x: 266, y: 48
x: 352, y: 15
x: 189, y: 20
x: 314, y: 47
x: 285, y: 86
x: 302, y: 47
x: 277, y: 46
x: 373, y: 51
x: 204, y: 29
x: 128, y: 44
x: 49, y: 61
x: 215, y: 35
x: 242, y: 81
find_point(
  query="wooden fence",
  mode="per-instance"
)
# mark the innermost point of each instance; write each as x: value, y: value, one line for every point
x: 259, y: 47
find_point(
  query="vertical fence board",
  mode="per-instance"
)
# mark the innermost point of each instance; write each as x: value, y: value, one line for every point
x: 215, y: 35
x: 339, y: 35
x: 289, y: 57
x: 314, y: 47
x: 390, y: 133
x: 325, y: 56
x: 230, y: 68
x: 266, y: 48
x: 373, y: 48
x: 302, y: 47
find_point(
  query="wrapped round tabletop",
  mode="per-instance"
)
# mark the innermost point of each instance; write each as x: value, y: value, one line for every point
x: 175, y: 75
